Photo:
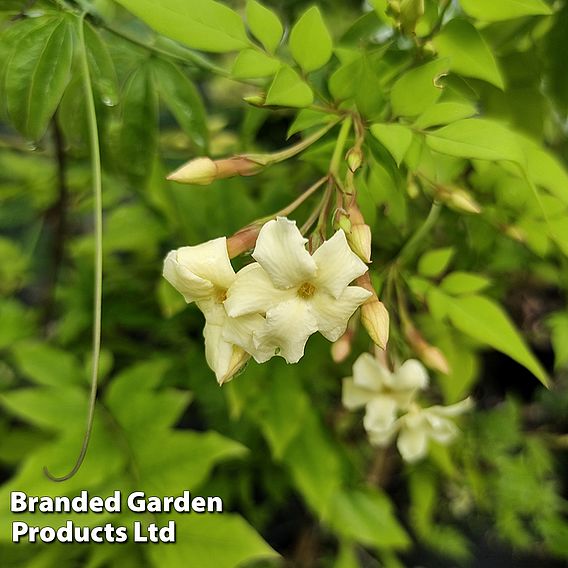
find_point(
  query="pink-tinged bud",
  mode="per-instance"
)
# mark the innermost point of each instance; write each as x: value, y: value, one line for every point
x: 359, y: 240
x: 354, y: 159
x: 341, y: 349
x: 199, y: 171
x: 243, y: 240
x: 431, y: 356
x: 238, y: 361
x: 374, y: 315
x: 203, y: 171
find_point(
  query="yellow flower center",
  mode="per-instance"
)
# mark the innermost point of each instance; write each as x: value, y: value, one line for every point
x: 306, y: 290
x: 220, y: 295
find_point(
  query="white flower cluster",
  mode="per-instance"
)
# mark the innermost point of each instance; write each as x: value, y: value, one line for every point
x: 391, y: 409
x: 273, y: 305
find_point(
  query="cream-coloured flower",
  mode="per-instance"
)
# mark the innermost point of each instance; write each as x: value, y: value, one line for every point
x: 419, y: 426
x: 203, y: 274
x: 382, y: 392
x: 298, y: 293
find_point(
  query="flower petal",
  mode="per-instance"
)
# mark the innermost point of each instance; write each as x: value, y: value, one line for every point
x: 240, y: 330
x: 369, y: 373
x: 383, y: 438
x: 286, y: 331
x: 333, y: 314
x: 411, y: 375
x: 337, y: 265
x: 210, y: 261
x: 197, y: 271
x: 412, y: 443
x: 441, y: 429
x: 453, y: 409
x: 380, y: 415
x: 280, y: 250
x: 218, y: 352
x: 253, y: 292
x: 354, y: 397
x: 189, y: 285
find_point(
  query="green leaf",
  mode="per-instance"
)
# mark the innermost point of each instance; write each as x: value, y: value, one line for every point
x: 47, y: 365
x: 458, y: 283
x: 477, y: 138
x: 137, y: 136
x: 434, y: 262
x: 307, y: 118
x: 200, y: 24
x: 169, y: 463
x: 223, y: 541
x: 183, y: 99
x: 289, y: 90
x: 396, y: 138
x: 367, y: 518
x: 264, y: 25
x: 485, y: 321
x: 467, y: 52
x: 416, y: 90
x: 251, y: 63
x: 310, y: 42
x: 281, y: 412
x: 101, y: 67
x: 17, y: 322
x: 36, y: 76
x: 558, y: 324
x: 47, y: 407
x: 491, y: 11
x: 444, y: 113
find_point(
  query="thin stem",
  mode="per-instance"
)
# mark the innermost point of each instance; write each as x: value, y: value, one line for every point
x: 298, y: 201
x: 98, y: 220
x: 422, y: 231
x: 57, y: 217
x: 340, y: 146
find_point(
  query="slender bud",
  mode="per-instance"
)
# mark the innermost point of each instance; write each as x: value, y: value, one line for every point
x: 515, y: 233
x: 458, y: 199
x: 341, y: 349
x: 359, y: 238
x: 374, y: 315
x: 243, y: 240
x: 238, y: 361
x: 199, y: 171
x: 203, y: 171
x: 255, y: 100
x: 354, y: 159
x: 431, y: 356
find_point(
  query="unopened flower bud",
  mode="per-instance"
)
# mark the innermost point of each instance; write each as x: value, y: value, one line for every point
x: 462, y: 200
x: 243, y: 240
x: 431, y: 356
x: 515, y: 233
x: 359, y: 240
x: 359, y: 237
x: 354, y: 159
x: 203, y: 171
x: 374, y: 315
x: 342, y: 221
x: 255, y: 100
x: 199, y: 171
x: 341, y: 349
x: 238, y: 361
